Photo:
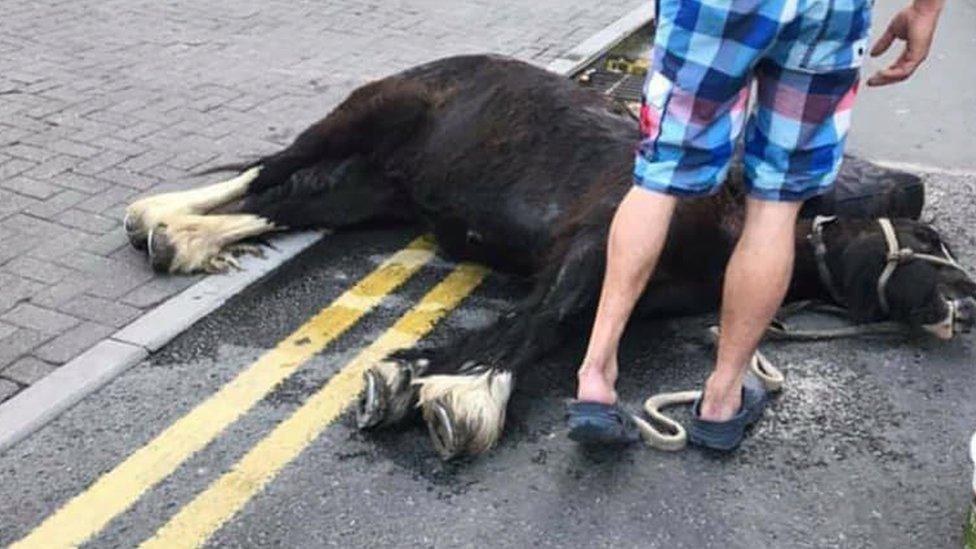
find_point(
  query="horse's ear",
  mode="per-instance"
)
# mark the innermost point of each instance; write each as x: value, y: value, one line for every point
x: 862, y: 268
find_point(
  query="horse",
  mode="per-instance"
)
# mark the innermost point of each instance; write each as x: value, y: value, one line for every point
x: 521, y: 170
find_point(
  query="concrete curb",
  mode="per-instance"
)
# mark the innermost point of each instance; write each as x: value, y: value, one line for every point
x: 159, y: 326
x: 45, y: 400
x: 62, y: 388
x: 575, y: 59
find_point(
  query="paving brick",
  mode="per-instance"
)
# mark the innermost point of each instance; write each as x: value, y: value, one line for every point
x: 64, y: 244
x: 20, y: 343
x: 87, y: 221
x: 72, y: 148
x: 53, y: 297
x: 158, y: 289
x: 106, y: 199
x: 56, y: 204
x: 103, y: 311
x: 129, y: 178
x: 8, y: 389
x: 11, y: 247
x: 27, y: 370
x: 122, y: 282
x: 32, y: 153
x: 51, y: 167
x: 30, y: 187
x: 89, y: 263
x: 35, y: 269
x: 16, y: 289
x: 108, y: 242
x: 81, y: 182
x: 73, y: 342
x: 12, y: 203
x: 99, y: 162
x: 28, y: 315
x: 34, y: 226
x: 15, y: 167
x: 6, y: 329
x: 190, y: 160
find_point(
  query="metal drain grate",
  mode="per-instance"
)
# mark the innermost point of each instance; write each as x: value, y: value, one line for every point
x: 620, y: 72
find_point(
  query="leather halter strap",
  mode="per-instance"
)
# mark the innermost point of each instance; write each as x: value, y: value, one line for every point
x: 898, y: 255
x: 820, y: 253
x: 894, y: 258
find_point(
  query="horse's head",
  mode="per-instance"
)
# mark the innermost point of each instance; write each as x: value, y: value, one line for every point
x: 901, y: 270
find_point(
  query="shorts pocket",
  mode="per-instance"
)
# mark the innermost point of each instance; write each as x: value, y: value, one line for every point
x: 840, y: 39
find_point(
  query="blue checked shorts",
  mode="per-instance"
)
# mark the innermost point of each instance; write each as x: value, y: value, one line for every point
x: 804, y: 57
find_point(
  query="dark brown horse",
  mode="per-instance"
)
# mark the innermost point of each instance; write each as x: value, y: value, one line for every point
x: 521, y: 169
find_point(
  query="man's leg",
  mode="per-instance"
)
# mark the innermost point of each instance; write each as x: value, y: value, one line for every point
x: 815, y: 122
x: 690, y: 118
x: 637, y: 235
x: 756, y: 280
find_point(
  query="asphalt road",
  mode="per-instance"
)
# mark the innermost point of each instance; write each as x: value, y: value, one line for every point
x: 866, y: 447
x: 929, y: 119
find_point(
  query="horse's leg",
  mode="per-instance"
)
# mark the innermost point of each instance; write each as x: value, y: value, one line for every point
x: 330, y: 195
x: 143, y: 215
x: 463, y: 388
x: 274, y: 194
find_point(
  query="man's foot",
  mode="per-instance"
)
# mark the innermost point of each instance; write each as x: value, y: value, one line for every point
x: 594, y: 387
x: 726, y: 435
x: 596, y: 424
x: 721, y: 399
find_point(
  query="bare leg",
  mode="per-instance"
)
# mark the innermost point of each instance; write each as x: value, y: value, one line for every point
x: 637, y: 236
x: 756, y: 280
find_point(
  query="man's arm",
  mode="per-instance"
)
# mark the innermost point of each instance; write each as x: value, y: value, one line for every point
x: 916, y: 26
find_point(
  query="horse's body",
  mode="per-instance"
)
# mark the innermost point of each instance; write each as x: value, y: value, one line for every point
x: 520, y: 169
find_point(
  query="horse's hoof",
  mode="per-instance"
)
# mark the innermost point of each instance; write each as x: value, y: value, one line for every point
x: 373, y: 403
x: 388, y: 396
x: 161, y: 249
x: 134, y: 231
x: 444, y: 432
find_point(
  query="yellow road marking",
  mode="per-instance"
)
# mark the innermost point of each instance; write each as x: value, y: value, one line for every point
x: 87, y: 513
x: 199, y: 519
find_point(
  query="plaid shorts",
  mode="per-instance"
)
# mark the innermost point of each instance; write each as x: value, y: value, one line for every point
x: 803, y: 55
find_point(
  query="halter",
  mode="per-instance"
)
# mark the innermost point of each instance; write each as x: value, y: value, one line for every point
x: 895, y: 257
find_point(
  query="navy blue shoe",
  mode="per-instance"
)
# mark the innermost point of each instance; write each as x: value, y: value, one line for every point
x: 727, y: 435
x: 594, y: 423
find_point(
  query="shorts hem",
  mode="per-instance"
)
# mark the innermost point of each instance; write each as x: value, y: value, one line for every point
x: 675, y: 191
x: 783, y: 195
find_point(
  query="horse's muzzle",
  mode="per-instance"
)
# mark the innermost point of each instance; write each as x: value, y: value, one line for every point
x: 960, y: 318
x: 965, y: 312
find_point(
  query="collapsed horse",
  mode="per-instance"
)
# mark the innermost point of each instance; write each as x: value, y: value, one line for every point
x: 520, y: 169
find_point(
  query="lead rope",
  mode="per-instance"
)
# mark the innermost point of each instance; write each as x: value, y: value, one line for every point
x: 664, y: 433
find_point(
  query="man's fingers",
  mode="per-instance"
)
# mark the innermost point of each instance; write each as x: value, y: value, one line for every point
x: 891, y: 75
x: 883, y: 43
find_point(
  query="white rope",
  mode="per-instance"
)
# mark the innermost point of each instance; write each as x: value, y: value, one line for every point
x: 664, y: 433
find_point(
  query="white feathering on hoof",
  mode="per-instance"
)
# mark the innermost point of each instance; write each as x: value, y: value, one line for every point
x: 206, y: 242
x: 146, y: 213
x: 477, y: 403
x: 400, y: 394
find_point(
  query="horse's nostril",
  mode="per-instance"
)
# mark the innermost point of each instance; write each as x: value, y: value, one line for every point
x: 966, y: 309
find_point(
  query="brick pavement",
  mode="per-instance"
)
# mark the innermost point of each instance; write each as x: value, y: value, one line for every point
x: 102, y: 101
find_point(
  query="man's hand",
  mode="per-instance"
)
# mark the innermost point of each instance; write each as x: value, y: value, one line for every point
x: 916, y: 26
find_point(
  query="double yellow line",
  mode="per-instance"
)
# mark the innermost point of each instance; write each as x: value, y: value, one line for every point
x: 88, y: 513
